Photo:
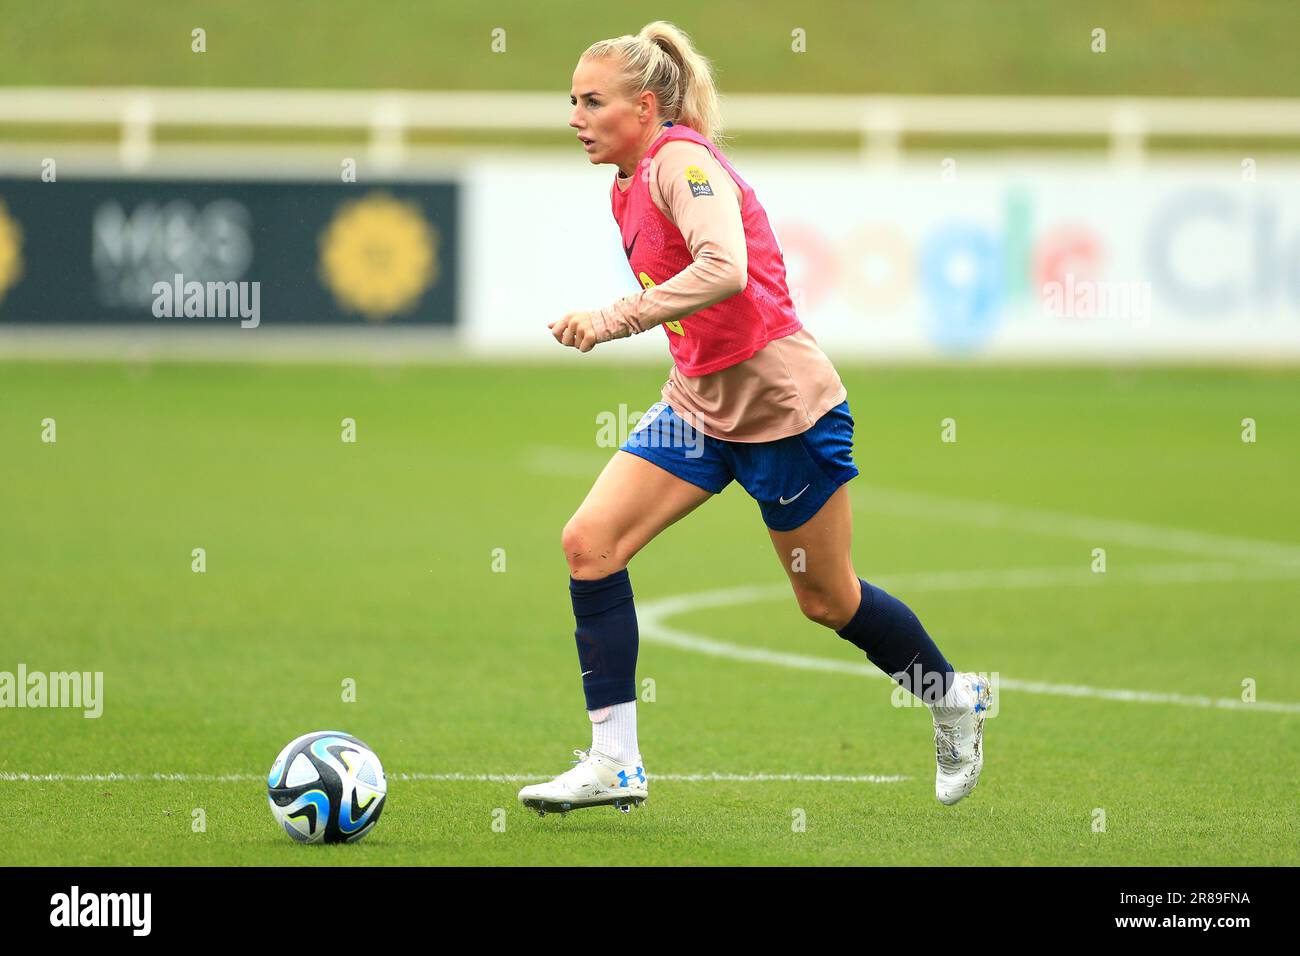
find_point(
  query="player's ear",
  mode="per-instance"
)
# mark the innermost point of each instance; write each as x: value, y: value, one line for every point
x: 647, y: 103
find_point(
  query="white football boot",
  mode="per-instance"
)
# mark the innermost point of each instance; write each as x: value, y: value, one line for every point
x: 958, y: 743
x: 596, y: 781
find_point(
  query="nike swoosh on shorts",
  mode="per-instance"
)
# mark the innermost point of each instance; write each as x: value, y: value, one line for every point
x: 786, y: 501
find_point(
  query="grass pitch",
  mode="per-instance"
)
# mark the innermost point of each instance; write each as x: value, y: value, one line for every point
x: 373, y: 561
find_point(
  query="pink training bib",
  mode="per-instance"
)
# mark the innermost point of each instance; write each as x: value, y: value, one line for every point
x: 729, y: 331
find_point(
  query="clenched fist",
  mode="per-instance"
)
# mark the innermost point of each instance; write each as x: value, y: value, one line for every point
x: 575, y: 329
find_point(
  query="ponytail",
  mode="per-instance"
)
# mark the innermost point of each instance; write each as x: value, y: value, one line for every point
x: 661, y: 60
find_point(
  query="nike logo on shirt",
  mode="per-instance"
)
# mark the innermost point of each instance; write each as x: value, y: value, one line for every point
x: 628, y: 249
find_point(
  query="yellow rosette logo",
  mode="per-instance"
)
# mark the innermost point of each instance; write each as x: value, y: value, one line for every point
x: 11, y: 251
x: 378, y: 256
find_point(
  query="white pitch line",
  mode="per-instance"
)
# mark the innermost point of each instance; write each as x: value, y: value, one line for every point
x: 989, y: 579
x: 577, y: 462
x: 11, y: 777
x: 651, y: 626
x: 559, y: 462
x: 1280, y: 560
x: 1097, y: 531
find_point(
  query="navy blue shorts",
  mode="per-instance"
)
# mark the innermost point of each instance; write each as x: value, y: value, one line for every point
x: 790, y: 478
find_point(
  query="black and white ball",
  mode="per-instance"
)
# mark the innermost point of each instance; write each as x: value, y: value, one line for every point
x: 327, y: 787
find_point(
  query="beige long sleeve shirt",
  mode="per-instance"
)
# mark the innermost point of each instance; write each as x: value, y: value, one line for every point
x: 780, y: 390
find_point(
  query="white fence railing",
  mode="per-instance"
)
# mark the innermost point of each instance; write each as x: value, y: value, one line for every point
x: 880, y: 121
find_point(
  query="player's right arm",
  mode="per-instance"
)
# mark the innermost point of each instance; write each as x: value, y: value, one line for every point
x: 710, y: 222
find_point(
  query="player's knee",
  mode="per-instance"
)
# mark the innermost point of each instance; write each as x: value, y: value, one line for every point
x: 591, y: 549
x: 822, y: 608
x: 573, y: 538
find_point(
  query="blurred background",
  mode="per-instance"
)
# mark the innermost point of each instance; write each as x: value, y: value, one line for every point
x: 949, y: 181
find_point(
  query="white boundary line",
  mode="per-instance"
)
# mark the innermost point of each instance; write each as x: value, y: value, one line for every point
x: 11, y: 777
x: 651, y: 615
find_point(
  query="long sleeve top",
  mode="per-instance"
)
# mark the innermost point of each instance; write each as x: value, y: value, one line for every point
x: 779, y: 391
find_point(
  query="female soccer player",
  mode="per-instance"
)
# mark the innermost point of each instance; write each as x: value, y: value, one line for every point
x: 750, y: 396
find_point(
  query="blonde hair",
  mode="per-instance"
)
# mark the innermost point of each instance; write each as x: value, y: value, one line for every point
x: 661, y: 59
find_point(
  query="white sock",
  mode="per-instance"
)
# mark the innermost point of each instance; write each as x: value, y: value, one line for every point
x: 613, y: 732
x: 956, y: 702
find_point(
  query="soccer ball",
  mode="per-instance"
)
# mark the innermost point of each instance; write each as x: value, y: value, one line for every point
x: 327, y: 787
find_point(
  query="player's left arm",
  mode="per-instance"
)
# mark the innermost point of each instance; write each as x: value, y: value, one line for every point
x: 701, y: 201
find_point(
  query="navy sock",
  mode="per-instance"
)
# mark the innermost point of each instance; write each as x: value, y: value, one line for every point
x: 896, y: 642
x: 607, y: 638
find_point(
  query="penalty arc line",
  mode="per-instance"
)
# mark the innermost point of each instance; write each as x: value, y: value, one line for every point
x: 651, y: 626
x: 1059, y: 524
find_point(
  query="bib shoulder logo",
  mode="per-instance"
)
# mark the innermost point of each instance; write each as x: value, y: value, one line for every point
x: 698, y: 181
